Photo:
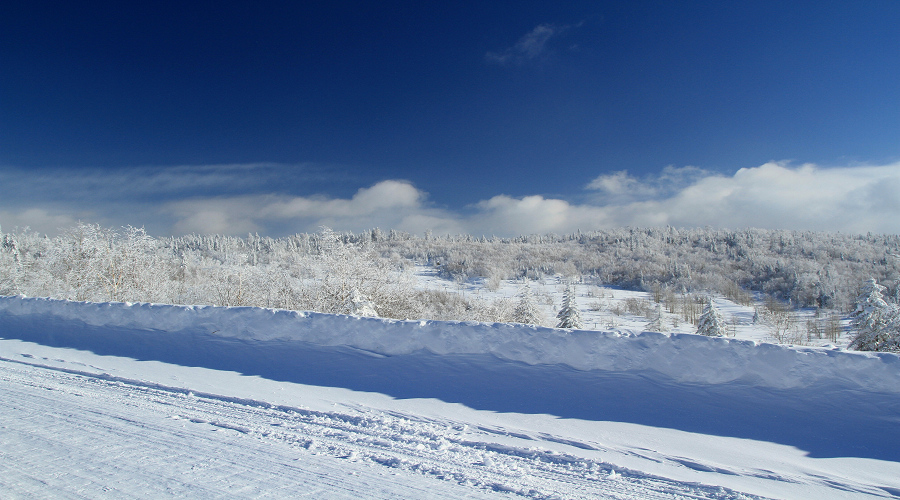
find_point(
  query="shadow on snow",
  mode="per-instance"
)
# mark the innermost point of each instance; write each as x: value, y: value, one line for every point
x: 823, y: 421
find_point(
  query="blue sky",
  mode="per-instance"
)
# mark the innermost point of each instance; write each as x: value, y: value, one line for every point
x: 480, y: 117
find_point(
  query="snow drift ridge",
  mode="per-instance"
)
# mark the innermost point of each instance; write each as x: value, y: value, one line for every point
x: 682, y: 358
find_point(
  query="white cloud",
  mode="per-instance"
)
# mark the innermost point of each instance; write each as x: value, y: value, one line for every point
x: 386, y: 195
x: 231, y: 216
x: 777, y: 195
x: 773, y: 195
x: 531, y: 46
x: 506, y: 216
x: 389, y: 204
x: 153, y: 183
x: 617, y: 188
x: 40, y: 220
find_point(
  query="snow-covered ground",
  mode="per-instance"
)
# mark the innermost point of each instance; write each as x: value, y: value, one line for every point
x: 136, y: 400
x: 598, y: 305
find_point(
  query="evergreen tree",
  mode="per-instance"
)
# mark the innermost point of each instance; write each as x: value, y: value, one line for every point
x: 657, y: 324
x: 569, y: 317
x: 875, y: 321
x: 526, y: 310
x: 359, y: 305
x: 711, y: 324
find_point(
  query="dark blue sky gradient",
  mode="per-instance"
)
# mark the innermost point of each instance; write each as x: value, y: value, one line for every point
x: 406, y: 90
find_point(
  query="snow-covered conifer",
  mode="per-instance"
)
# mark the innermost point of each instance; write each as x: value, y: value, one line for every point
x: 359, y: 305
x: 711, y: 323
x: 569, y: 317
x: 657, y: 324
x: 875, y: 321
x: 526, y: 310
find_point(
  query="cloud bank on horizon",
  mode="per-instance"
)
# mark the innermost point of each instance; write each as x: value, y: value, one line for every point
x: 776, y: 195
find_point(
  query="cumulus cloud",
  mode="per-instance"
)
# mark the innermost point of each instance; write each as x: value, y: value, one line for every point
x: 531, y: 46
x: 506, y: 216
x: 773, y: 195
x: 390, y: 204
x: 387, y: 195
x: 777, y: 195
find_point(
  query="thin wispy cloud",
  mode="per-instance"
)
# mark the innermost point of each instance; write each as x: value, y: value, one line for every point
x: 155, y: 183
x: 49, y: 199
x: 775, y: 195
x: 534, y: 45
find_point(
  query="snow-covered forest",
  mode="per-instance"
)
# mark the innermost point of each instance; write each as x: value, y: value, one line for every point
x: 371, y: 273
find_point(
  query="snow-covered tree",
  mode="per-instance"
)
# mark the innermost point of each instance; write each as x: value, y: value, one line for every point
x: 712, y: 323
x: 527, y: 310
x: 359, y: 305
x: 887, y: 339
x: 569, y: 317
x: 875, y: 321
x: 871, y: 310
x: 657, y: 324
x: 349, y: 272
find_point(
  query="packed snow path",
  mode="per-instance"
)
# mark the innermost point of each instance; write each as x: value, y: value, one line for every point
x: 75, y: 434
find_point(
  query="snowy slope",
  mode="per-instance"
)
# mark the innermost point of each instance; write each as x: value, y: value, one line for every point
x: 203, y: 402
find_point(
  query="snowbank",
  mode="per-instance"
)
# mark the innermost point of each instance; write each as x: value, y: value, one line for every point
x: 682, y: 358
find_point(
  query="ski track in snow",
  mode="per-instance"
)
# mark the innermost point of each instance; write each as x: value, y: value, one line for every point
x: 71, y: 434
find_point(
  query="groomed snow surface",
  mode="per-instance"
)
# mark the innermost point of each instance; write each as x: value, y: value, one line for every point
x: 118, y: 400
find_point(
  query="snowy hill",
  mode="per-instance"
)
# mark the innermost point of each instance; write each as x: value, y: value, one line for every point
x: 373, y: 408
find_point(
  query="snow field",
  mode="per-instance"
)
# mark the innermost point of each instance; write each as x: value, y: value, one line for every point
x: 599, y: 304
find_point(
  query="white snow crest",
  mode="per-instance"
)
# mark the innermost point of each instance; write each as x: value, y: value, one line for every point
x: 681, y: 357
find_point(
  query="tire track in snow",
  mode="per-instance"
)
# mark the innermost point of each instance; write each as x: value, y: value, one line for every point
x: 382, y: 447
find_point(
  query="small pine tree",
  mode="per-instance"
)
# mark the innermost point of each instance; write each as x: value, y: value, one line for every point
x: 569, y: 317
x: 875, y: 321
x: 526, y: 310
x: 657, y: 324
x: 871, y: 309
x: 711, y: 324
